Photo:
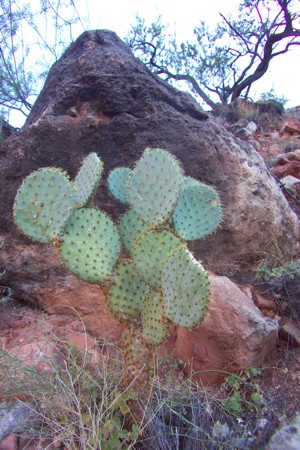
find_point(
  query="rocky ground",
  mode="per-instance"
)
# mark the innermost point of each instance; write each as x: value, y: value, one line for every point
x: 36, y: 337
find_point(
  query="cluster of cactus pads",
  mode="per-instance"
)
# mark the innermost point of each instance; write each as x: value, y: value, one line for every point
x: 158, y: 282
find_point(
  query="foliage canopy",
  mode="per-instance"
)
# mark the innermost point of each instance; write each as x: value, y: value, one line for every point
x: 222, y: 63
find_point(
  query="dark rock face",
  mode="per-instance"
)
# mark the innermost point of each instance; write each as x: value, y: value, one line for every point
x: 99, y: 98
x: 6, y: 130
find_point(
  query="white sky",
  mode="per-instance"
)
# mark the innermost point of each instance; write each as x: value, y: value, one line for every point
x: 183, y: 16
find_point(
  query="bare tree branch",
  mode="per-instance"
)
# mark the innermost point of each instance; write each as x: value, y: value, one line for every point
x: 230, y: 59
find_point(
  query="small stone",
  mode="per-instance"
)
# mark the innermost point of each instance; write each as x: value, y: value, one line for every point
x: 220, y: 431
x: 262, y: 423
x: 290, y: 181
x: 290, y: 332
x: 20, y: 323
x: 287, y: 438
x: 251, y: 127
x: 264, y: 303
x: 290, y: 126
x: 9, y: 442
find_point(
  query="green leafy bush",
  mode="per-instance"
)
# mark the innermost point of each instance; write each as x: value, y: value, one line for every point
x: 290, y: 270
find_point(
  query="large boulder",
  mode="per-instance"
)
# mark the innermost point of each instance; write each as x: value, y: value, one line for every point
x: 99, y: 98
x: 234, y: 335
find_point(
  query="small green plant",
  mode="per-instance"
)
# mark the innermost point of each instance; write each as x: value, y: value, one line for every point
x: 266, y: 273
x: 271, y: 96
x: 284, y: 283
x: 245, y: 391
x: 159, y: 282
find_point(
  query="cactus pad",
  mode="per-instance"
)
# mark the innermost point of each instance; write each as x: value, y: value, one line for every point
x: 150, y: 252
x: 156, y: 327
x: 44, y: 203
x: 88, y: 179
x: 185, y: 287
x: 154, y: 186
x: 117, y: 183
x: 198, y: 211
x: 126, y: 292
x: 130, y: 227
x: 190, y: 181
x: 91, y: 245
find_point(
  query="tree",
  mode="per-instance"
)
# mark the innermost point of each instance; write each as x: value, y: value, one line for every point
x: 45, y: 28
x: 224, y: 63
x: 16, y: 83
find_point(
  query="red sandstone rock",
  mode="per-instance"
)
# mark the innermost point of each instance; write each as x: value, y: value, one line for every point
x: 9, y: 443
x: 40, y: 355
x: 290, y: 126
x: 263, y: 303
x: 290, y: 168
x: 287, y: 164
x: 84, y: 300
x: 273, y: 151
x: 234, y: 335
x: 39, y: 340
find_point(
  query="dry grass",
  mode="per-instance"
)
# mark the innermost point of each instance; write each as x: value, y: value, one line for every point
x: 79, y: 407
x: 74, y: 405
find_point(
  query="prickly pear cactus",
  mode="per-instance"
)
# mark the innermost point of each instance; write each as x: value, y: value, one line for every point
x: 185, y: 288
x: 126, y: 293
x: 44, y: 203
x: 130, y: 227
x: 139, y: 362
x: 198, y: 211
x: 91, y: 245
x: 117, y: 183
x: 46, y: 210
x: 162, y: 284
x: 150, y: 252
x: 156, y: 327
x: 87, y: 179
x: 154, y: 186
x: 161, y: 197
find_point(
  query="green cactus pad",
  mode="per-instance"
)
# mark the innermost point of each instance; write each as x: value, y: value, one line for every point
x: 126, y: 292
x: 185, y: 287
x: 117, y: 183
x: 198, y: 211
x: 88, y: 178
x: 130, y: 227
x: 43, y: 205
x: 154, y: 186
x: 150, y: 252
x: 91, y: 245
x: 156, y: 328
x: 190, y: 181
